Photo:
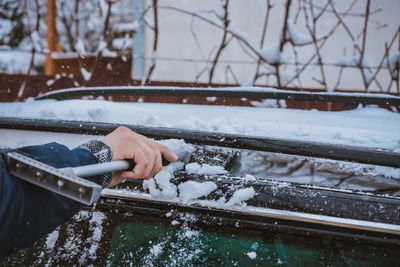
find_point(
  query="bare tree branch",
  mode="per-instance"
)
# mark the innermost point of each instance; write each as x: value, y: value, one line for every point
x: 282, y: 41
x: 264, y: 30
x: 155, y: 42
x: 312, y: 31
x: 34, y: 50
x: 223, y: 44
x: 362, y: 52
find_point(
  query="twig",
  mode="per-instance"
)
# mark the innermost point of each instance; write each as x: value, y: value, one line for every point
x: 196, y: 40
x: 155, y: 42
x: 76, y: 19
x: 212, y: 22
x: 282, y: 41
x: 312, y: 31
x: 106, y: 28
x: 66, y: 22
x: 223, y: 44
x: 362, y: 52
x: 228, y: 69
x: 264, y: 30
x: 385, y: 56
x: 322, y: 43
x: 105, y: 37
x: 32, y: 62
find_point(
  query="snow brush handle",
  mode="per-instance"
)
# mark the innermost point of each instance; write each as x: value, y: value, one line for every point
x: 102, y: 168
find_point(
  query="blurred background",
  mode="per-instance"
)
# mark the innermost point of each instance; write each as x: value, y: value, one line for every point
x: 326, y: 45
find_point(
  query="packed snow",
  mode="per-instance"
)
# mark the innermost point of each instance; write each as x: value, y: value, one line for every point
x: 193, y: 190
x: 204, y: 169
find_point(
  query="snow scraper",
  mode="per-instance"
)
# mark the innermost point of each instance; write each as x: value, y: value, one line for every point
x: 69, y: 181
x: 65, y: 181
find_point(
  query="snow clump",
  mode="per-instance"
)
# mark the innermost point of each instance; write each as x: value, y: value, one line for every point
x: 204, y: 169
x: 240, y: 196
x: 252, y: 255
x: 191, y: 190
x: 160, y: 186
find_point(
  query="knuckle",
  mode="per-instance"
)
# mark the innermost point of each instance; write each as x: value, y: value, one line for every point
x: 145, y: 164
x: 158, y: 168
x: 122, y: 129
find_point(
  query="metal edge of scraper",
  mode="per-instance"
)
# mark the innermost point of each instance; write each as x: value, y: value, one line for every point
x: 52, y: 179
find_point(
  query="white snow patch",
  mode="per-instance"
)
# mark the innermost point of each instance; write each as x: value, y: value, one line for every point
x: 296, y: 36
x: 52, y: 239
x: 175, y: 222
x: 156, y: 250
x: 367, y: 127
x: 240, y: 196
x: 392, y: 59
x: 86, y: 74
x: 271, y: 54
x: 97, y: 230
x: 160, y: 186
x: 80, y: 47
x: 122, y: 43
x: 204, y: 169
x: 36, y: 41
x: 190, y: 233
x: 249, y: 177
x: 269, y: 103
x: 252, y: 255
x: 127, y: 27
x: 193, y: 190
x: 179, y: 147
x: 348, y: 61
x: 12, y: 61
x: 239, y: 34
x: 102, y: 45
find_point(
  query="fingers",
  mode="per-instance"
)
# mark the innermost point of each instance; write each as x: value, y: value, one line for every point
x: 148, y: 161
x: 157, y: 165
x: 146, y: 153
x: 142, y: 165
x: 167, y: 153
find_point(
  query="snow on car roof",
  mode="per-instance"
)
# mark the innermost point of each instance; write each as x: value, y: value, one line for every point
x: 367, y: 127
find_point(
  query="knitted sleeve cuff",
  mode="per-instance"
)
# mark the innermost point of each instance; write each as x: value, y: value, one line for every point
x: 102, y: 153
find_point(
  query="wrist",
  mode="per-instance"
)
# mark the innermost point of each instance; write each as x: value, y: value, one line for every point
x: 103, y: 153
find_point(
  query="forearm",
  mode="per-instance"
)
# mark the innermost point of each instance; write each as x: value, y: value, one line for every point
x: 28, y: 212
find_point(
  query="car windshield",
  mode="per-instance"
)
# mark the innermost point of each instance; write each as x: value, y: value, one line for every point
x: 115, y: 237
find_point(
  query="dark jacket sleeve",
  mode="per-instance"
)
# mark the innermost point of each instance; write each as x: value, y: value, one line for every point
x: 28, y: 212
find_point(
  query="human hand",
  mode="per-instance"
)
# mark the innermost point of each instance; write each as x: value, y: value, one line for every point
x: 146, y: 154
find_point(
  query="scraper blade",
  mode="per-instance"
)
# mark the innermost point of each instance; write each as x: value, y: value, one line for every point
x: 53, y: 179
